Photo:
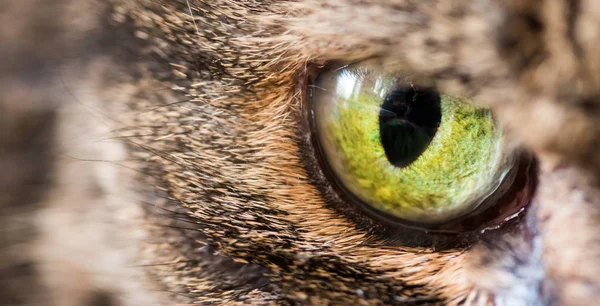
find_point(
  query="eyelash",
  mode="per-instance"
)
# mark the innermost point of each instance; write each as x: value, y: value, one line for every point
x: 381, y: 230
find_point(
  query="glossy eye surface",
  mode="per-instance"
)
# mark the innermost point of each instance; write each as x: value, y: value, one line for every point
x: 406, y: 151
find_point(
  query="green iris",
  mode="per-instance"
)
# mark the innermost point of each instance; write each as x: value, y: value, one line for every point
x: 409, y: 152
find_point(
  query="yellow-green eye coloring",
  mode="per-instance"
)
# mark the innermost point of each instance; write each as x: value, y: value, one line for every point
x: 410, y: 152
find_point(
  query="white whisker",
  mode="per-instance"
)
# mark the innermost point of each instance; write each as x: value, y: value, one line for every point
x: 192, y: 15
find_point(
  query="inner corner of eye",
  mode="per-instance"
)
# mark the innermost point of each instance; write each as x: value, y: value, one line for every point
x: 407, y: 151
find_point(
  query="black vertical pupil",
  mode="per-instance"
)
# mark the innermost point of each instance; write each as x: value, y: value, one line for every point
x: 408, y: 120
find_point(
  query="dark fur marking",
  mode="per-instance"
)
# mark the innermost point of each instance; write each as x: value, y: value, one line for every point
x: 573, y: 13
x: 520, y: 38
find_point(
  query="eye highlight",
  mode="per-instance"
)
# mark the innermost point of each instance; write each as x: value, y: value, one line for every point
x: 408, y: 152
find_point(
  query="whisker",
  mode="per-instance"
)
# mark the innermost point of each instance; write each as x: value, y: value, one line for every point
x: 192, y: 14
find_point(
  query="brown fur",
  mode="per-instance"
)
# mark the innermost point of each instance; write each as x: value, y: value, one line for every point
x: 176, y: 169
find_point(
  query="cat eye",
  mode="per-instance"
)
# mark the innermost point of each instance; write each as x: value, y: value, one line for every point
x: 408, y: 152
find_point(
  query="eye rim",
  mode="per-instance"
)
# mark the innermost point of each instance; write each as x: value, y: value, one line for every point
x: 387, y: 230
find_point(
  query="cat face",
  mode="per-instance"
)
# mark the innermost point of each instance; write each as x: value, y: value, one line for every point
x: 260, y: 197
x: 242, y: 208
